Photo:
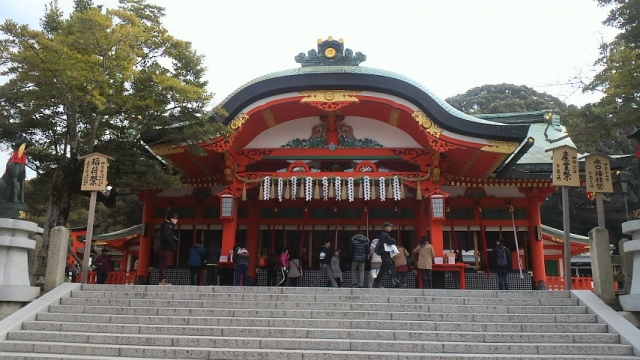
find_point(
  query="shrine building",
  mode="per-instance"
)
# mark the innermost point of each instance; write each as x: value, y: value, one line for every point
x: 331, y: 149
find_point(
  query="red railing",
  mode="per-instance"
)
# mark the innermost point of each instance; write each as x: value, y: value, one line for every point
x: 577, y: 283
x: 113, y: 277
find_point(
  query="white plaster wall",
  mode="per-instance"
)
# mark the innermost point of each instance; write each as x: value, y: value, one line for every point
x: 385, y: 134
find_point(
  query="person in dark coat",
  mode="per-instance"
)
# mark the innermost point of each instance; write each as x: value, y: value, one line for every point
x: 388, y: 266
x: 103, y: 265
x: 502, y: 263
x: 212, y: 260
x: 359, y: 253
x: 168, y: 245
x: 272, y: 268
x: 241, y: 259
x: 196, y: 261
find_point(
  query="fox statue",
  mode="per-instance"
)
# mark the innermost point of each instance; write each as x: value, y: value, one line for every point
x: 14, y: 174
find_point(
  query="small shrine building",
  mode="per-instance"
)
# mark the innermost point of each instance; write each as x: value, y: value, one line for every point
x: 331, y: 149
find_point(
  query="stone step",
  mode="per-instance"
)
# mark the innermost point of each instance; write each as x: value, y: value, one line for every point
x: 392, y: 314
x: 344, y: 306
x: 320, y: 333
x: 329, y: 291
x: 241, y: 354
x: 96, y: 344
x: 310, y: 297
x: 67, y: 322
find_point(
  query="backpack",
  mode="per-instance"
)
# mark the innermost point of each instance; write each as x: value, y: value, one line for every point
x: 501, y: 256
x: 157, y: 240
x: 379, y: 249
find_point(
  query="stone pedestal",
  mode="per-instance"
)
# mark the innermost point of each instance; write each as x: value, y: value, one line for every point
x: 56, y: 257
x: 14, y: 261
x: 631, y: 302
x: 601, y: 264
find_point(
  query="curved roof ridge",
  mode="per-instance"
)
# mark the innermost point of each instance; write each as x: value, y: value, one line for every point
x: 359, y: 70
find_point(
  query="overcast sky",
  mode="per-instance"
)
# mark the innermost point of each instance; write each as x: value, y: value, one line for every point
x: 447, y: 46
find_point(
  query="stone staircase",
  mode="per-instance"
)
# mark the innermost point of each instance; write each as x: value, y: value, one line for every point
x: 187, y: 322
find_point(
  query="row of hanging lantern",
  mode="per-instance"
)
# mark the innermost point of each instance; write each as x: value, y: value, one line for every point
x: 336, y: 188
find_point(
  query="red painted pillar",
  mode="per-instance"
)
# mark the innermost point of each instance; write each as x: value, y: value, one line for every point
x: 253, y: 231
x: 422, y: 220
x: 536, y: 244
x: 437, y: 237
x: 144, y: 254
x: 229, y: 228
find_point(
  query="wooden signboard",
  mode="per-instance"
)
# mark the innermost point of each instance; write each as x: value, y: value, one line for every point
x: 598, y: 173
x: 565, y: 166
x: 94, y: 176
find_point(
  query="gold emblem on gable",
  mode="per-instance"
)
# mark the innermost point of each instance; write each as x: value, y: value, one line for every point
x: 237, y: 122
x: 427, y: 123
x: 329, y: 100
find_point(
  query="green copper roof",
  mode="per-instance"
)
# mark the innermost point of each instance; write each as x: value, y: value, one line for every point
x: 137, y: 229
x: 358, y: 70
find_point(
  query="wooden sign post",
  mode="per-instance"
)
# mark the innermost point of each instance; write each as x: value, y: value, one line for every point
x: 566, y: 173
x: 598, y: 178
x: 94, y: 179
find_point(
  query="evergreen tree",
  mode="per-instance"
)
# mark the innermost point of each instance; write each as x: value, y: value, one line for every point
x: 94, y: 82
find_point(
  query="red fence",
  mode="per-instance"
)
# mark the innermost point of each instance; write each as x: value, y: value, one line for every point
x: 113, y: 277
x: 577, y: 283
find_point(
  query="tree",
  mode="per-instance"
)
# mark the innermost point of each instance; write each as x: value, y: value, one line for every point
x: 616, y: 113
x: 94, y: 82
x: 504, y: 98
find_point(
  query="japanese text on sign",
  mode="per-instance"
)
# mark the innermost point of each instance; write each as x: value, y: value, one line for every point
x: 598, y: 174
x: 94, y: 176
x: 565, y: 167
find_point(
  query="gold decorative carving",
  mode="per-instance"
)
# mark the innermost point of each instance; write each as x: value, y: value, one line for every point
x: 329, y: 100
x: 393, y: 117
x: 427, y: 123
x: 269, y: 118
x: 237, y: 122
x: 500, y: 146
x: 440, y: 145
x: 166, y: 149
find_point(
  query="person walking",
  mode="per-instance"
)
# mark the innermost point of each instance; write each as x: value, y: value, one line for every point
x: 284, y: 265
x: 385, y: 241
x: 325, y: 264
x: 103, y: 265
x: 168, y: 244
x: 195, y: 262
x: 212, y: 263
x: 376, y: 262
x: 295, y: 271
x: 272, y: 268
x: 359, y: 251
x: 425, y: 255
x: 502, y: 262
x: 241, y: 259
x: 400, y: 261
x: 335, y: 267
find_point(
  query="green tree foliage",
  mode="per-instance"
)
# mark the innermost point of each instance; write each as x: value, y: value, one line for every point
x: 94, y: 82
x: 618, y: 79
x: 504, y: 98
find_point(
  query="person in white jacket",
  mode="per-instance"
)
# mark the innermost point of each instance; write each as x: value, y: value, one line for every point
x: 376, y: 262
